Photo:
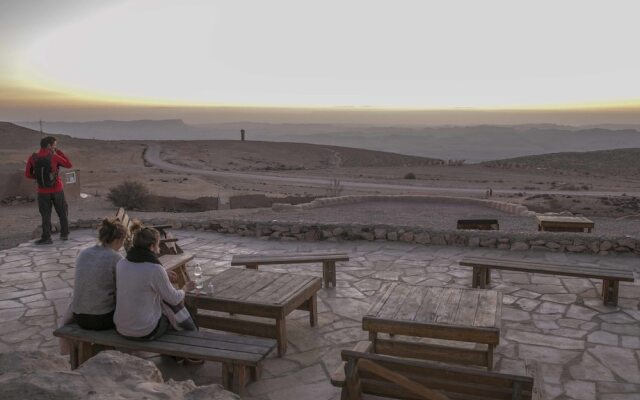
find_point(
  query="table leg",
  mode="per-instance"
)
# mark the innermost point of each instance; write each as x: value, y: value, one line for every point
x: 326, y: 273
x: 490, y: 348
x: 373, y: 338
x: 281, y: 336
x: 313, y: 310
x: 227, y: 371
x: 73, y: 354
x: 483, y: 278
x: 610, y: 292
x: 239, y: 379
x: 488, y: 277
x: 255, y: 372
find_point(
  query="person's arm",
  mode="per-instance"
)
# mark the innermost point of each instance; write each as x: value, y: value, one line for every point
x: 28, y: 172
x: 62, y: 159
x: 165, y: 289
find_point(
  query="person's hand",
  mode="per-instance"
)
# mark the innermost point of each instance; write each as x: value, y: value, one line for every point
x: 189, y: 286
x: 173, y: 277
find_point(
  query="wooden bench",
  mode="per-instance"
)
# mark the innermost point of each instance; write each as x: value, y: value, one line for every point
x: 479, y: 224
x: 237, y: 353
x: 561, y: 223
x: 328, y: 261
x: 611, y: 278
x: 400, y: 378
x: 178, y: 264
x: 168, y: 244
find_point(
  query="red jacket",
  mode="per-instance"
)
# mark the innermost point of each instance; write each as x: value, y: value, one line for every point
x: 58, y: 160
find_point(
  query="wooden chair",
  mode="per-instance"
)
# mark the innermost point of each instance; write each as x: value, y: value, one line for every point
x: 168, y: 244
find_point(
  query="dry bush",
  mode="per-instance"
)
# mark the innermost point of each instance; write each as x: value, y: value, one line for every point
x: 131, y: 195
x: 410, y: 175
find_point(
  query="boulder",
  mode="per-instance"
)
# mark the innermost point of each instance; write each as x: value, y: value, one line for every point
x: 108, y: 375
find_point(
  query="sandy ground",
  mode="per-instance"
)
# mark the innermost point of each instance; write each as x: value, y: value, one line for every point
x: 104, y: 164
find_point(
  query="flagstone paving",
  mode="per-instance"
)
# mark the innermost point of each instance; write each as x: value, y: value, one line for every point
x: 582, y: 349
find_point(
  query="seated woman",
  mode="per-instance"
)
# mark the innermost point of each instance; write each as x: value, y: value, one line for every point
x: 94, y: 292
x: 143, y: 286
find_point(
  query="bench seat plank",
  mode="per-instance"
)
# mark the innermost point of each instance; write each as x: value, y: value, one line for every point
x: 328, y: 260
x: 266, y: 259
x: 581, y: 270
x: 194, y: 345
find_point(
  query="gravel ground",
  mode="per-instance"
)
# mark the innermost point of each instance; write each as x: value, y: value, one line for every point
x: 435, y: 216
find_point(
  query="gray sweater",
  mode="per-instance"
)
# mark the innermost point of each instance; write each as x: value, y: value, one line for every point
x: 141, y: 289
x: 94, y: 290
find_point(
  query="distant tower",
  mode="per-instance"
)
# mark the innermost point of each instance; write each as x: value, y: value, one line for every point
x: 242, y: 134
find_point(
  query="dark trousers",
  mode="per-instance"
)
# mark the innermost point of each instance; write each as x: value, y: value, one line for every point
x: 93, y: 322
x: 46, y: 201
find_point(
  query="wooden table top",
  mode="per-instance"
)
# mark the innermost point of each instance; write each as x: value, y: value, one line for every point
x: 564, y: 219
x: 268, y: 289
x: 439, y: 306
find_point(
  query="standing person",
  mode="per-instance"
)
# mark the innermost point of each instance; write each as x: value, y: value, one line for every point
x: 143, y: 286
x: 94, y: 290
x: 44, y: 166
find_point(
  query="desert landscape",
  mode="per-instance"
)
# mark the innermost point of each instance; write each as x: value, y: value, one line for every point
x: 603, y: 183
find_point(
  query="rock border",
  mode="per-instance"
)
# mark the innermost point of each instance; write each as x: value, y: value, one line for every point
x: 286, y: 231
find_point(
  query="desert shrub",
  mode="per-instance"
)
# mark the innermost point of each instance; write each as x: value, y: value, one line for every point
x: 129, y: 194
x: 410, y: 175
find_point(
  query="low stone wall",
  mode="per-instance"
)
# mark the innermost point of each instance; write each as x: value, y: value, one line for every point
x: 511, y: 208
x: 549, y: 241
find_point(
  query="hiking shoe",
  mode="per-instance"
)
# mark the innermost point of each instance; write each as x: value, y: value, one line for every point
x: 44, y: 241
x: 64, y: 237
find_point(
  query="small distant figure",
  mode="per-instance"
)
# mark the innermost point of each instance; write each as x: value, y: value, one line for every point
x: 490, y: 192
x: 242, y: 135
x: 43, y: 166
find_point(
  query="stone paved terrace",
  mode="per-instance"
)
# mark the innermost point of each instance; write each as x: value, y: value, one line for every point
x: 583, y: 349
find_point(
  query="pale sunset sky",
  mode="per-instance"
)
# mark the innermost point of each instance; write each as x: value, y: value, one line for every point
x: 82, y: 60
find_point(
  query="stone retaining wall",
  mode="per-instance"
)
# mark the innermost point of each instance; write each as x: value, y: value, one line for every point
x: 550, y: 241
x: 511, y: 208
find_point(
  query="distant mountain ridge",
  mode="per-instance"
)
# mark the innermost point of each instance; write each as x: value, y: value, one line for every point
x: 471, y: 143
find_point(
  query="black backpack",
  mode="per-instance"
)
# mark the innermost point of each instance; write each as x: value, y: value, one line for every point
x: 45, y: 176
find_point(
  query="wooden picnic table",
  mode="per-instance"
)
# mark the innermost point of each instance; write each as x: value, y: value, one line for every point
x: 465, y: 315
x: 255, y: 293
x: 561, y: 223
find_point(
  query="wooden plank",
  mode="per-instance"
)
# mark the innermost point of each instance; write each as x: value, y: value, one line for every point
x: 448, y: 308
x: 112, y: 339
x: 274, y: 286
x: 468, y: 308
x: 212, y: 344
x: 394, y: 303
x: 375, y: 309
x: 409, y: 308
x: 243, y: 307
x: 427, y: 311
x: 286, y: 293
x: 300, y: 258
x: 399, y: 348
x: 237, y: 325
x: 455, y: 390
x: 487, y: 308
x: 461, y: 333
x: 413, y: 387
x: 236, y: 290
x: 226, y: 337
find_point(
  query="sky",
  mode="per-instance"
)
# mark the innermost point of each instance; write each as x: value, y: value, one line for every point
x: 443, y: 61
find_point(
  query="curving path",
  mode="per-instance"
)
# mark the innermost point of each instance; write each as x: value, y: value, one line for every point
x: 152, y: 156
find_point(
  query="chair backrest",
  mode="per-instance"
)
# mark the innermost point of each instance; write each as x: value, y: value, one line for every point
x: 400, y: 378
